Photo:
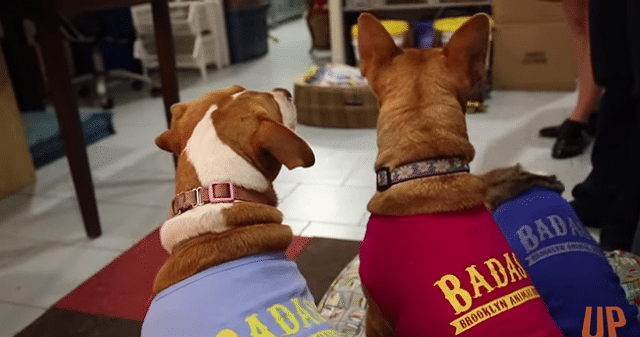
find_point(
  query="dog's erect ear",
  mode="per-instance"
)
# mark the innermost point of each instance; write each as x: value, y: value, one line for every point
x: 375, y: 45
x: 467, y: 49
x: 283, y: 144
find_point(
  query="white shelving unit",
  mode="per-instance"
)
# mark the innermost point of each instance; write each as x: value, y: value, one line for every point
x: 199, y: 34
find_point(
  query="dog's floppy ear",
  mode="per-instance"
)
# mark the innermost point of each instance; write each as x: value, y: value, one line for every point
x: 467, y: 49
x: 375, y: 45
x: 166, y: 141
x: 283, y: 144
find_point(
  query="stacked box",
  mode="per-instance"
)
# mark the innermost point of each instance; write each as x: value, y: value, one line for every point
x: 533, y: 48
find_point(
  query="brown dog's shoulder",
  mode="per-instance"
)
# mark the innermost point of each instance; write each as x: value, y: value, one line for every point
x: 211, y: 249
x: 508, y: 182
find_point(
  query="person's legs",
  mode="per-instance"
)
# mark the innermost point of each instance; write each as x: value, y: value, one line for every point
x: 577, y: 14
x: 610, y: 196
x: 573, y: 134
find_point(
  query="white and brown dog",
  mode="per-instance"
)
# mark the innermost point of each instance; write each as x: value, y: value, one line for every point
x: 227, y: 274
x: 433, y: 262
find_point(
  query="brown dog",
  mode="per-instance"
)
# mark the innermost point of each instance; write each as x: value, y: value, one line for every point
x: 433, y: 261
x: 227, y: 274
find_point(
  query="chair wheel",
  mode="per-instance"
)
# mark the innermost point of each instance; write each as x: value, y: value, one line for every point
x: 137, y: 85
x: 108, y: 104
x: 84, y: 91
x: 156, y: 92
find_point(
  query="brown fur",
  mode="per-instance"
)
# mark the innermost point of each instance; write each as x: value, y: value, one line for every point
x: 509, y: 182
x: 251, y: 125
x: 210, y: 249
x: 375, y: 324
x: 421, y: 95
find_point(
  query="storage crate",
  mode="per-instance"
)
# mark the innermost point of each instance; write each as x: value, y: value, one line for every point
x: 248, y: 32
x: 199, y: 34
x: 337, y: 107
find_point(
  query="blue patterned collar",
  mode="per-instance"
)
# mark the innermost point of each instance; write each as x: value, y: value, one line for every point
x: 386, y: 178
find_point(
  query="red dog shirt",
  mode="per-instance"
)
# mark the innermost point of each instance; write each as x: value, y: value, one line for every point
x: 450, y: 274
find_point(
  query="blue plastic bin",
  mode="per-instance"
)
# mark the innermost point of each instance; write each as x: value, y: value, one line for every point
x: 248, y: 32
x: 423, y: 34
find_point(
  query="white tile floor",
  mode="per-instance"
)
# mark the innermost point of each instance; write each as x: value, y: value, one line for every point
x: 44, y: 253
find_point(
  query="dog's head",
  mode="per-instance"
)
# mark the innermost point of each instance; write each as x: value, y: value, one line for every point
x: 509, y: 182
x: 234, y: 135
x: 421, y: 92
x: 422, y: 74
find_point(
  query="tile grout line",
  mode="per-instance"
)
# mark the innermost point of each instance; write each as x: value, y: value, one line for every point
x: 64, y: 244
x: 281, y: 198
x: 22, y: 304
x: 359, y: 163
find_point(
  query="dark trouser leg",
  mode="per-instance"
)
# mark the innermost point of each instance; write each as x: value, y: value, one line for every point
x: 610, y: 196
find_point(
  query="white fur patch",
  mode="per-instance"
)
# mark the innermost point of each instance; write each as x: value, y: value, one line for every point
x: 287, y: 109
x: 199, y: 220
x: 215, y: 161
x: 238, y: 94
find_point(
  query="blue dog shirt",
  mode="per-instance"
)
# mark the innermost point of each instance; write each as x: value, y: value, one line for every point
x: 259, y: 295
x: 565, y: 263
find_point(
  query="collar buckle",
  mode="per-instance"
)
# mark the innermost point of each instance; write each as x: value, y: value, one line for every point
x: 383, y: 179
x: 226, y: 195
x: 198, y: 197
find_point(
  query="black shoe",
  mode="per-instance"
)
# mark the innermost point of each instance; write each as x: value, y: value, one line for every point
x: 554, y: 131
x: 550, y: 131
x: 572, y: 140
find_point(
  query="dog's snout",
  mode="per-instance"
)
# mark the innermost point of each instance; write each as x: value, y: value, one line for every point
x: 285, y: 92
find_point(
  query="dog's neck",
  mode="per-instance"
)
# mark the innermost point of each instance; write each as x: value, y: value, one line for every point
x: 410, y: 130
x: 207, y: 159
x: 212, y: 234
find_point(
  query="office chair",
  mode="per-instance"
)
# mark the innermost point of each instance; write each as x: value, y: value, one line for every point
x: 93, y: 31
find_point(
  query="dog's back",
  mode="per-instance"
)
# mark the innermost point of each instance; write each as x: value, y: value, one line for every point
x: 261, y: 294
x: 564, y: 261
x: 484, y: 293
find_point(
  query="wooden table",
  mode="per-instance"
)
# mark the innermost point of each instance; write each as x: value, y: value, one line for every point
x: 45, y: 14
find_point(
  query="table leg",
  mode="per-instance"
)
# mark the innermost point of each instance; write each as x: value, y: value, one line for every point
x: 166, y: 55
x: 66, y: 108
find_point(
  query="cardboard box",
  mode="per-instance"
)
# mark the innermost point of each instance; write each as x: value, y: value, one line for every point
x: 533, y: 57
x: 527, y: 11
x: 16, y: 166
x: 336, y: 107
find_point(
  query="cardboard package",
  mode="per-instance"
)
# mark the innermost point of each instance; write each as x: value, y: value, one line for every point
x: 533, y: 57
x: 336, y: 107
x: 527, y: 11
x: 16, y: 166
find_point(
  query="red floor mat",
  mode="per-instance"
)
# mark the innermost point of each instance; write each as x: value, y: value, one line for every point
x: 114, y: 301
x: 123, y: 288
